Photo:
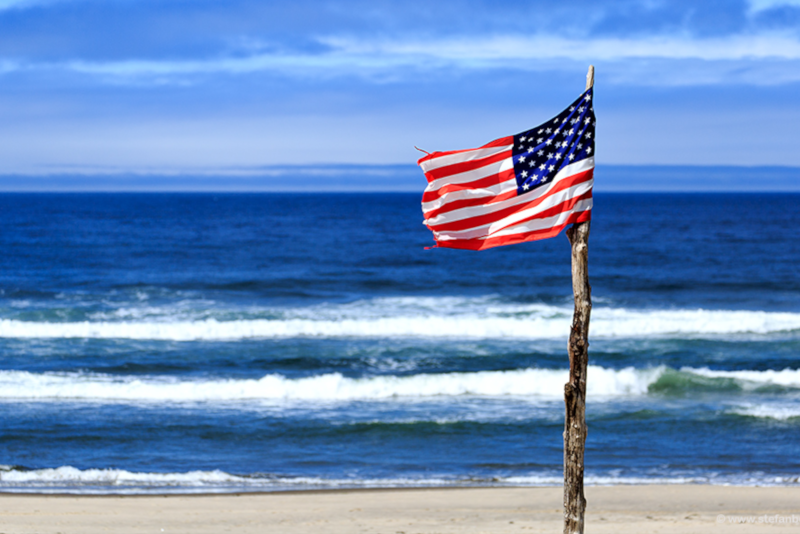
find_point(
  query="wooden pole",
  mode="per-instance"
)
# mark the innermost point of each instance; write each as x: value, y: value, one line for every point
x: 575, y: 390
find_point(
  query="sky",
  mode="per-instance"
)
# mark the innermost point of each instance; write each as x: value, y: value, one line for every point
x: 192, y: 89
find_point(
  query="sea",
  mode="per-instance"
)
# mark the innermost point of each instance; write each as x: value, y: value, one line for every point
x: 239, y: 342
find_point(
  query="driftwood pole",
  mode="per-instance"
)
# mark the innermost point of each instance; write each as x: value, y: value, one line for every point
x: 575, y: 390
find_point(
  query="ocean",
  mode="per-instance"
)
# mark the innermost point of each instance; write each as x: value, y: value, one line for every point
x: 157, y: 343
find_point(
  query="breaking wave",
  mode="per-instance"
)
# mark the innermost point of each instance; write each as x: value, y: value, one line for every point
x: 399, y: 317
x: 785, y: 377
x: 333, y: 386
x: 69, y: 479
x: 768, y: 411
x: 539, y: 383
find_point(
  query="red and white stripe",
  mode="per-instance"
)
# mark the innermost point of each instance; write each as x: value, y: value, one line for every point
x: 471, y: 201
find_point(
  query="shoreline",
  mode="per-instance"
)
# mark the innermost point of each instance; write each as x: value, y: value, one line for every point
x: 380, y: 489
x: 615, y: 509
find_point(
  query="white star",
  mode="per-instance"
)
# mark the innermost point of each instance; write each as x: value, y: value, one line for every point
x: 588, y: 98
x: 580, y: 146
x: 539, y: 141
x: 587, y: 120
x: 549, y: 130
x: 550, y: 155
x: 571, y: 157
x: 541, y: 152
x: 589, y: 150
x: 558, y: 156
x: 551, y: 168
x: 542, y: 167
x: 572, y: 108
x: 524, y: 174
x: 521, y: 159
x: 532, y: 163
x: 530, y: 149
x: 573, y: 121
x: 589, y: 134
x: 526, y: 187
x: 549, y: 141
x: 540, y: 131
x: 580, y: 109
x: 571, y: 131
x: 522, y: 138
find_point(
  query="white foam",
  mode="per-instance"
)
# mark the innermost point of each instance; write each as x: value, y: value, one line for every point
x: 100, y: 481
x: 618, y: 322
x: 415, y: 316
x: 785, y: 377
x: 114, y: 477
x: 606, y: 323
x: 212, y: 329
x: 70, y: 476
x: 542, y: 383
x: 780, y: 412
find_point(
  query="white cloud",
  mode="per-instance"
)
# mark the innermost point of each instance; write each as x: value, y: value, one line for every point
x: 8, y: 66
x: 6, y: 4
x: 466, y: 52
x: 24, y: 4
x: 761, y: 5
x: 759, y: 60
x: 482, y: 50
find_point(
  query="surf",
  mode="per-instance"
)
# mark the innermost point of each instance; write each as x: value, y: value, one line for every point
x: 410, y: 318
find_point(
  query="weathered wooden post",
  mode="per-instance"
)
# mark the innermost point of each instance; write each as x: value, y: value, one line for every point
x: 575, y: 390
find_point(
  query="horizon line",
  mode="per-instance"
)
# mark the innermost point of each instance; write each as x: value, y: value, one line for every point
x: 323, y: 168
x: 406, y: 177
x: 365, y: 191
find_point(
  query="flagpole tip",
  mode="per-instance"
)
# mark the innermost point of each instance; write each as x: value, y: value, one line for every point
x: 590, y: 77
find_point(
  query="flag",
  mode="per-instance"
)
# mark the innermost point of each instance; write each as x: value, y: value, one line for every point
x: 519, y: 188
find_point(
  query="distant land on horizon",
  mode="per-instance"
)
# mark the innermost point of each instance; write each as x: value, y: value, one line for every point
x: 394, y: 178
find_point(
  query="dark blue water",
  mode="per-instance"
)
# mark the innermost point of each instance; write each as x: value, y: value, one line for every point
x: 230, y: 342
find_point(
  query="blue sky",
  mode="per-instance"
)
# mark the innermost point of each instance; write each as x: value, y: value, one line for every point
x: 207, y: 88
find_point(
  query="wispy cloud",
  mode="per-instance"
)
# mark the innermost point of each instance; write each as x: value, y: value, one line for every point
x: 24, y: 4
x: 7, y: 4
x: 180, y: 42
x: 762, y: 5
x: 544, y: 47
x: 198, y: 87
x: 8, y: 66
x: 759, y: 59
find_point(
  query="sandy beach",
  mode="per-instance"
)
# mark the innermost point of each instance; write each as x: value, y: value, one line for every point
x: 619, y: 509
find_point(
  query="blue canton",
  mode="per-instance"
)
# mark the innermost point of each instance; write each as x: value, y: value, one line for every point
x: 541, y: 152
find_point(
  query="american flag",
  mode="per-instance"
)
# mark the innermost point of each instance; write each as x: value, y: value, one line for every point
x: 519, y: 188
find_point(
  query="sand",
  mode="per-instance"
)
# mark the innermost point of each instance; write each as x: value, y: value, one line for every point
x: 618, y: 509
